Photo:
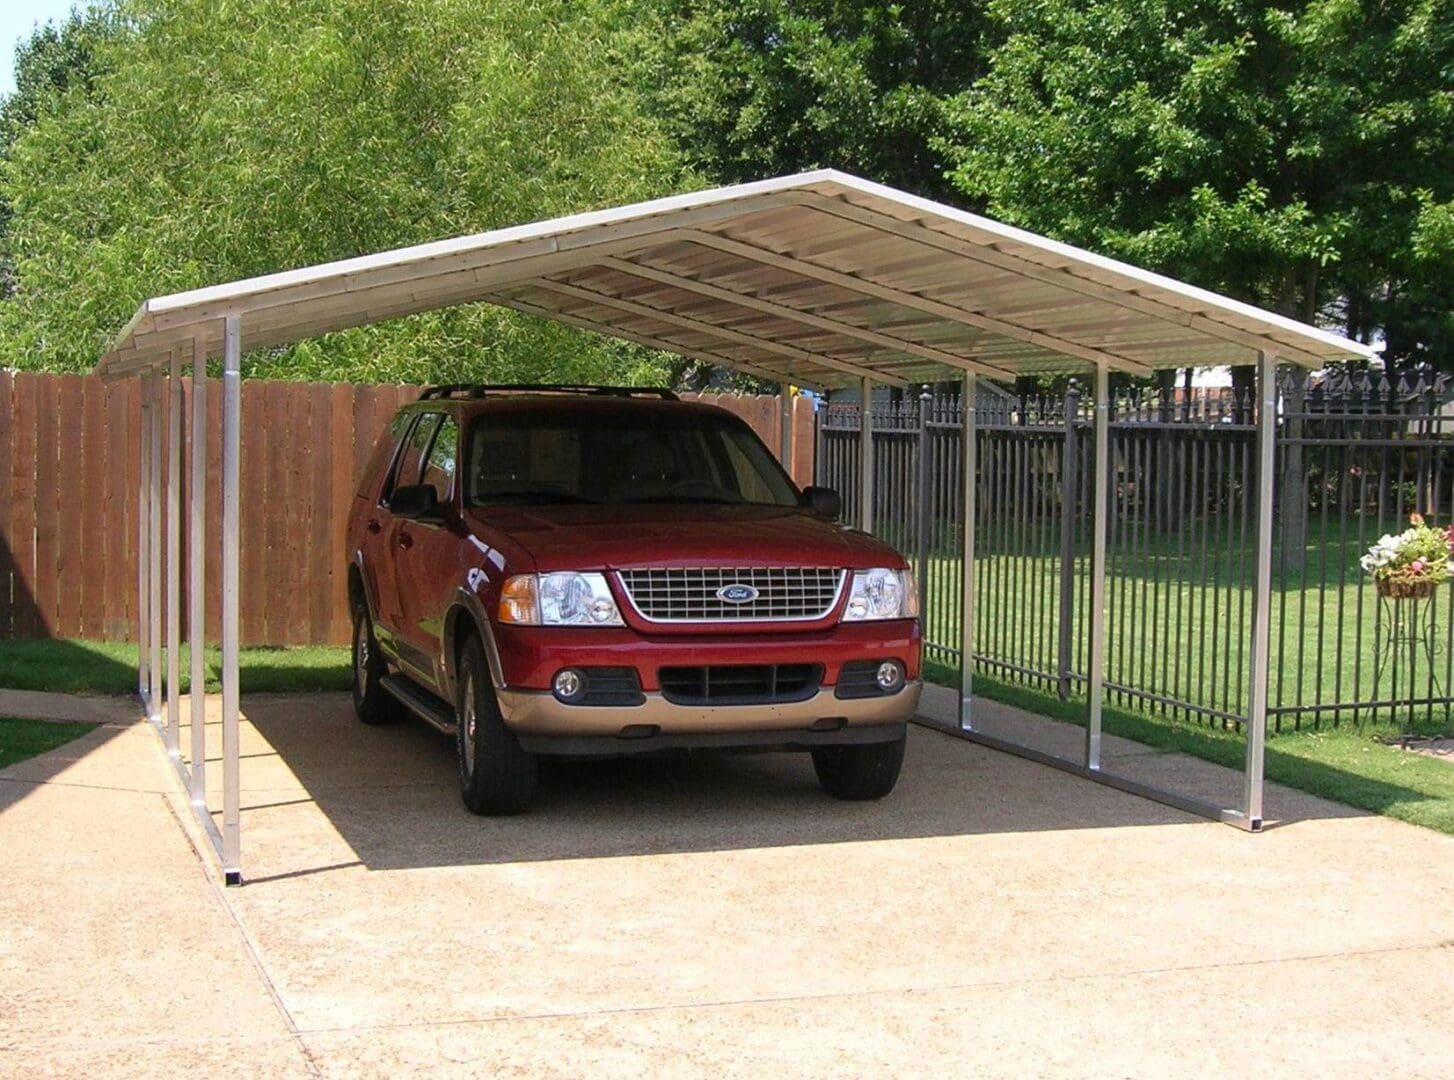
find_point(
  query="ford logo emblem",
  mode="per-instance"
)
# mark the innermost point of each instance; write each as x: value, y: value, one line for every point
x: 737, y: 594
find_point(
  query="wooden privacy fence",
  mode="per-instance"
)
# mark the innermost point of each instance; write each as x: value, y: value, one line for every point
x: 69, y: 466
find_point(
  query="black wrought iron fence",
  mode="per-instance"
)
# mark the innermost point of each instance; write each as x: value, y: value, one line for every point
x: 1363, y: 453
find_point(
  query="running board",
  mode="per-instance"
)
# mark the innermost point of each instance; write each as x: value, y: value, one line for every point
x: 421, y: 703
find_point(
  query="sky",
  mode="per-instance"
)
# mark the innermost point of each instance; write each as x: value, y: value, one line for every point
x: 17, y: 19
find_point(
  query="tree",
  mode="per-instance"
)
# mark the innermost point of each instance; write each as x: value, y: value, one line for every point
x: 54, y: 59
x: 227, y: 140
x: 768, y: 87
x: 1274, y: 152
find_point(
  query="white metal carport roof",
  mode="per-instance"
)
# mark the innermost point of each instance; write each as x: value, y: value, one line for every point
x: 820, y: 279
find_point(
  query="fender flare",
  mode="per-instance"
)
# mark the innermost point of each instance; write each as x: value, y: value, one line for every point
x: 466, y: 610
x: 356, y: 563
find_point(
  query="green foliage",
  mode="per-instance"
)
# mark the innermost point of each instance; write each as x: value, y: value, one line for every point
x: 53, y: 60
x: 1270, y: 151
x: 770, y: 87
x: 231, y: 139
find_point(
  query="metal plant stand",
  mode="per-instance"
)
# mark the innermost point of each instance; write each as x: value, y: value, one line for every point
x: 1407, y: 644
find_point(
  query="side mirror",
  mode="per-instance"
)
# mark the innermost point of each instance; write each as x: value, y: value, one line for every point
x: 416, y: 501
x: 825, y: 502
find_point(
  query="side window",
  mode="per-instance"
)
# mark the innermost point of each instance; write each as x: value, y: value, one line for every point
x: 411, y: 458
x: 439, y: 465
x: 383, y: 454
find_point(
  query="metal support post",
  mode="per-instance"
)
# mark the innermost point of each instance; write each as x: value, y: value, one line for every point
x: 969, y: 469
x: 923, y: 508
x: 143, y: 556
x: 865, y: 456
x: 1069, y: 486
x: 154, y: 548
x: 197, y: 595
x: 1261, y: 591
x: 231, y: 463
x: 174, y: 557
x: 1095, y: 685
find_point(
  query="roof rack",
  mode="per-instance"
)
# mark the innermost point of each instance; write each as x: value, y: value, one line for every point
x: 479, y: 390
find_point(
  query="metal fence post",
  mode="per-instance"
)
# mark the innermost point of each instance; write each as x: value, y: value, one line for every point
x: 1069, y: 484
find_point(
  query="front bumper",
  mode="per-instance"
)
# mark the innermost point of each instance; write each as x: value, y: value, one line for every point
x: 530, y: 656
x: 531, y: 713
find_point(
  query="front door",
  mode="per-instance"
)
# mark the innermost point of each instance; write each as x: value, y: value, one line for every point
x: 427, y: 562
x: 388, y: 614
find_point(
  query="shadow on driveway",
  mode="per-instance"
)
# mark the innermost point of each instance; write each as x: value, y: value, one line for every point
x: 391, y: 794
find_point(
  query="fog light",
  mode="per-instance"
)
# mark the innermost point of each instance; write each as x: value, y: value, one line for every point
x: 570, y: 685
x: 890, y: 676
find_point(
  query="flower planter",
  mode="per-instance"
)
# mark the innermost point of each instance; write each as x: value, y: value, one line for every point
x: 1406, y: 590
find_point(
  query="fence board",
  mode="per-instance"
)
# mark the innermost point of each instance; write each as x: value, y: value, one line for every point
x: 276, y: 519
x: 47, y: 506
x: 213, y: 567
x: 253, y: 522
x: 300, y: 540
x: 318, y: 491
x: 7, y: 560
x: 69, y: 498
x: 92, y: 623
x: 341, y: 405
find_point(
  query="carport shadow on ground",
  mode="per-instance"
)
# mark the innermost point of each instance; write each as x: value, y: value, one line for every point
x: 390, y: 799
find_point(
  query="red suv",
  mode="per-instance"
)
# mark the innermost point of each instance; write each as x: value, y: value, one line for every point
x: 597, y: 570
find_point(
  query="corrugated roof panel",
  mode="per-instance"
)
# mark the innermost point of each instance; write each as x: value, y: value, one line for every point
x: 821, y: 276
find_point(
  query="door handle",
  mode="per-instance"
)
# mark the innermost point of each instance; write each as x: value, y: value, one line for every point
x: 375, y: 526
x: 405, y: 540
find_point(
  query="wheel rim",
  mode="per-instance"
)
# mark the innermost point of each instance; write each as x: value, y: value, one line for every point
x: 361, y: 657
x: 467, y: 722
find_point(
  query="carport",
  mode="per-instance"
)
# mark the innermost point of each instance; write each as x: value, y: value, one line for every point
x: 821, y: 280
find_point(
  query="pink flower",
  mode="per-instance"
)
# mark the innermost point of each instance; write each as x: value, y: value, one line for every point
x: 1417, y: 566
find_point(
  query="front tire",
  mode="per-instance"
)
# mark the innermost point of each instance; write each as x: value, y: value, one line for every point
x: 496, y: 776
x: 859, y: 773
x: 373, y: 704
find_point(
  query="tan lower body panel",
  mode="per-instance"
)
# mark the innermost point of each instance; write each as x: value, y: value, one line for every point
x: 539, y: 713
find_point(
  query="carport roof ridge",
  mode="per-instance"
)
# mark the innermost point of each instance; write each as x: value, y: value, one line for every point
x: 821, y: 278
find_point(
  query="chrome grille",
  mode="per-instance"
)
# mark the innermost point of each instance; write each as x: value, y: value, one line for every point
x: 801, y: 593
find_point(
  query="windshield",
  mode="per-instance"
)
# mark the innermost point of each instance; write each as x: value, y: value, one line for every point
x: 630, y: 457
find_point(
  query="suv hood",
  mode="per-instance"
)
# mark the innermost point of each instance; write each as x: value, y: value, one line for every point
x: 587, y: 537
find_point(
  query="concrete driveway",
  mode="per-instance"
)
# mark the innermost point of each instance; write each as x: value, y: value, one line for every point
x: 707, y: 916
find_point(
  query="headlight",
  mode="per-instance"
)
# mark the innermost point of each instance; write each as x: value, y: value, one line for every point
x: 881, y: 594
x: 564, y: 598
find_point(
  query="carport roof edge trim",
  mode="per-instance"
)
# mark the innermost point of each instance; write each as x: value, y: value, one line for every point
x: 1279, y: 332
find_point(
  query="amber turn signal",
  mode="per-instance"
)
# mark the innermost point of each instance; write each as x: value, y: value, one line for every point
x: 519, y: 602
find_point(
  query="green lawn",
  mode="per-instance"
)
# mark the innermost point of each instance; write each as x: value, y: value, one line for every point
x: 1350, y: 766
x: 102, y: 667
x: 21, y: 739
